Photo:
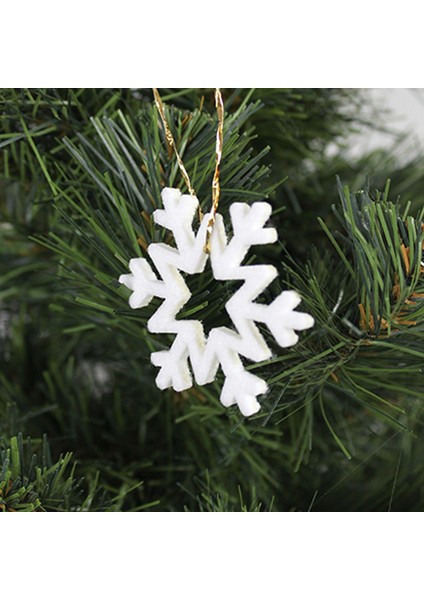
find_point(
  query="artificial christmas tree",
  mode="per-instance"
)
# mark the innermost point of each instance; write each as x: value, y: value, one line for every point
x: 341, y: 425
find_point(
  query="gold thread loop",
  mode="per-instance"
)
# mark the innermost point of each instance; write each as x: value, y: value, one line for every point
x: 216, y: 188
x: 171, y: 142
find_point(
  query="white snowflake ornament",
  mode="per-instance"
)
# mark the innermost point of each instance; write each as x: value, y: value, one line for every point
x: 223, y: 346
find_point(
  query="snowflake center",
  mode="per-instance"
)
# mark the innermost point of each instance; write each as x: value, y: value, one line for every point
x: 207, y: 302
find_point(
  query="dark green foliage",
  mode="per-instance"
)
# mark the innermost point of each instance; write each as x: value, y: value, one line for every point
x: 31, y: 484
x: 341, y: 428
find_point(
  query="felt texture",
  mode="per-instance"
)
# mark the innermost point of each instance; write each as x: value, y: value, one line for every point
x: 192, y: 353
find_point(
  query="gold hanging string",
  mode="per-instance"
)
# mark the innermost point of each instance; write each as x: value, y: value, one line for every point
x: 171, y: 143
x: 216, y: 188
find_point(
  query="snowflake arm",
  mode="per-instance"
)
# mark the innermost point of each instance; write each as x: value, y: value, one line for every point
x: 224, y: 346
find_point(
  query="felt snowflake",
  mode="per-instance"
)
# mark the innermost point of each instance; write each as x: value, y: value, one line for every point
x: 223, y: 346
